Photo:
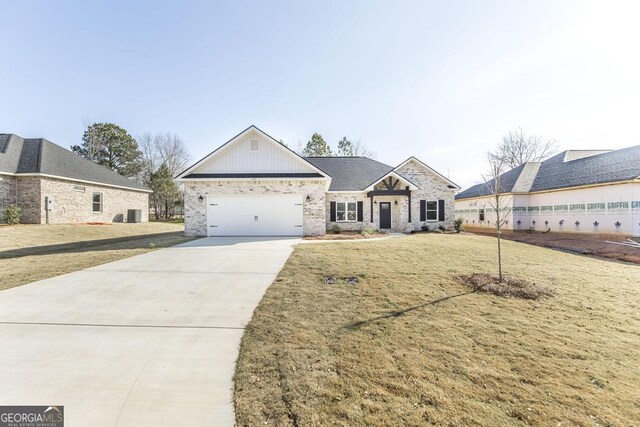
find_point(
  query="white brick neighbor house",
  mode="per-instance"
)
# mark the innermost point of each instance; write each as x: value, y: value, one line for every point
x: 577, y: 191
x: 53, y: 185
x: 254, y: 185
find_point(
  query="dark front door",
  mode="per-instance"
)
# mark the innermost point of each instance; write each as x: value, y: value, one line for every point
x: 385, y: 215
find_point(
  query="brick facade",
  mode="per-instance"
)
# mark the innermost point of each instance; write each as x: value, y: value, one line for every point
x: 72, y: 201
x: 432, y: 187
x: 195, y: 219
x: 7, y: 193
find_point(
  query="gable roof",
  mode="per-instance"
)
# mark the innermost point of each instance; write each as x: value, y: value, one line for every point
x: 557, y: 172
x: 38, y: 156
x: 450, y: 183
x: 351, y: 173
x: 188, y: 173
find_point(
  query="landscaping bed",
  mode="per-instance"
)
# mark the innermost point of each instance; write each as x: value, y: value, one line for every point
x: 348, y: 235
x: 408, y: 344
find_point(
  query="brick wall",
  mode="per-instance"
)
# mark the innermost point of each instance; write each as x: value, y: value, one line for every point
x: 7, y: 193
x: 195, y: 219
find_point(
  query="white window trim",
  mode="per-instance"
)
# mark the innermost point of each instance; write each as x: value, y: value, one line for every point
x: 427, y: 210
x: 346, y: 212
x: 101, y: 202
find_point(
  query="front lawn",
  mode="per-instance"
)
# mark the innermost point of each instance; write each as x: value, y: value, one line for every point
x: 411, y: 345
x: 34, y: 252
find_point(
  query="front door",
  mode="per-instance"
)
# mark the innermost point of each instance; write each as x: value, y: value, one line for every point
x: 385, y: 215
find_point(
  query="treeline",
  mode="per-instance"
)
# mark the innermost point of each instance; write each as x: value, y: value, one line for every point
x: 152, y: 159
x: 318, y: 147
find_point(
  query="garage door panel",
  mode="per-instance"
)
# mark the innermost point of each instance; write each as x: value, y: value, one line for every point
x: 255, y: 215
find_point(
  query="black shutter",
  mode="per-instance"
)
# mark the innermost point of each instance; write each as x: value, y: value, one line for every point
x: 332, y: 212
x: 423, y: 210
x: 440, y: 210
x: 359, y: 210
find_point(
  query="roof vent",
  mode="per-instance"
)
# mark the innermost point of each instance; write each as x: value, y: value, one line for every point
x: 254, y: 145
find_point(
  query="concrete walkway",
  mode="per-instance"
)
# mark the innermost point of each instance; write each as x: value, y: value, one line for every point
x: 148, y: 340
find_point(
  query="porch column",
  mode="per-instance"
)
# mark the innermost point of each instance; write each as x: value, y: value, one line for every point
x: 409, y: 195
x: 371, y: 218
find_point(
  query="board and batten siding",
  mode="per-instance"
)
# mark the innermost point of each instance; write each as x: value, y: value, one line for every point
x: 604, y: 209
x: 238, y: 158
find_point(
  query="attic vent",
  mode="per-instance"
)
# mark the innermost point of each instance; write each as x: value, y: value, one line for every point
x: 254, y: 145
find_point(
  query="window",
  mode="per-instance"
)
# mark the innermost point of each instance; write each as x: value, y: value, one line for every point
x: 346, y: 211
x: 97, y: 202
x: 254, y: 144
x: 481, y: 214
x: 432, y: 211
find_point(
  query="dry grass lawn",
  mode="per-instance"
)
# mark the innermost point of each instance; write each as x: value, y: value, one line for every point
x: 410, y: 345
x: 34, y: 252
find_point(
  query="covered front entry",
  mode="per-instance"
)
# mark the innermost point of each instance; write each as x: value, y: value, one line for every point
x: 254, y: 215
x: 385, y: 215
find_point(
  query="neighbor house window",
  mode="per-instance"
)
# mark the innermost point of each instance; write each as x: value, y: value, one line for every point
x: 481, y: 214
x: 346, y: 211
x: 254, y: 145
x: 97, y: 202
x: 432, y: 211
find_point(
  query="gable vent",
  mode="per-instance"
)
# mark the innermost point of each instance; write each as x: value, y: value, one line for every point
x: 254, y: 145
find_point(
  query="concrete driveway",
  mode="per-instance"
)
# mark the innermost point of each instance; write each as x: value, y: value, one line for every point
x: 148, y: 340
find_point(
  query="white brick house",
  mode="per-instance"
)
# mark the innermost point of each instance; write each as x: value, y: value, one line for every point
x: 253, y: 185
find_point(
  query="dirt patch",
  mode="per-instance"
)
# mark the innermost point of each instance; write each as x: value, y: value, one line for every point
x: 583, y: 244
x: 510, y: 287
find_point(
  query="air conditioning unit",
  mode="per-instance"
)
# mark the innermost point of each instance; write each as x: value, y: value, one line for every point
x: 134, y: 215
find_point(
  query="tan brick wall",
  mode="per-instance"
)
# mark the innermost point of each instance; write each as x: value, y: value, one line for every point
x: 72, y: 202
x: 432, y: 187
x: 195, y: 220
x: 28, y: 199
x: 7, y: 193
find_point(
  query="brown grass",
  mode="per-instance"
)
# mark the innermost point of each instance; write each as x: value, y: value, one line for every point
x: 348, y: 235
x: 409, y: 345
x: 34, y: 252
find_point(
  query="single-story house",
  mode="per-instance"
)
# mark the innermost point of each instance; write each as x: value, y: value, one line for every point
x: 583, y: 191
x: 254, y: 185
x: 52, y: 185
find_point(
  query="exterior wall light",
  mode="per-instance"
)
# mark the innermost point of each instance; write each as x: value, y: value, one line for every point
x: 577, y: 223
x: 596, y: 223
x: 618, y: 224
x: 561, y: 221
x: 308, y: 198
x: 546, y: 223
x: 200, y: 198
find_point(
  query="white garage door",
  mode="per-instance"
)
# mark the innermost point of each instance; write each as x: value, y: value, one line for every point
x: 254, y: 215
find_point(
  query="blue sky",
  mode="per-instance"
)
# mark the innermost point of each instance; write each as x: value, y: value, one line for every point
x: 439, y: 80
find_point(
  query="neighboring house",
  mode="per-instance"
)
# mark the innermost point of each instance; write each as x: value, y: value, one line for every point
x: 53, y: 185
x: 254, y: 185
x: 591, y: 191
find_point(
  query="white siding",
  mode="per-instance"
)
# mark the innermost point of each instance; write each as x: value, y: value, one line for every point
x: 237, y: 157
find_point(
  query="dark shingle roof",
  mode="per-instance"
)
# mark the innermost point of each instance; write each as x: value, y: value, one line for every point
x: 31, y: 156
x: 254, y: 175
x: 507, y: 181
x: 618, y: 165
x: 555, y: 173
x: 350, y: 173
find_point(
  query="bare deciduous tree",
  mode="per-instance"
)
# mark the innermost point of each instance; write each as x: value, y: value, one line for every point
x: 518, y: 148
x: 360, y: 149
x: 498, y: 201
x: 169, y: 153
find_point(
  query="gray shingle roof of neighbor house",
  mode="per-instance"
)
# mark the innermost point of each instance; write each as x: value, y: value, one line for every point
x: 556, y: 173
x: 40, y: 156
x: 350, y: 173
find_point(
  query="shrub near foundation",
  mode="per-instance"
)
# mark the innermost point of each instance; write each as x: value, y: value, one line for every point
x: 12, y: 215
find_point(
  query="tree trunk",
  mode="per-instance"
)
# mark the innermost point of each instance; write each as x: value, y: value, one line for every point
x: 498, y: 232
